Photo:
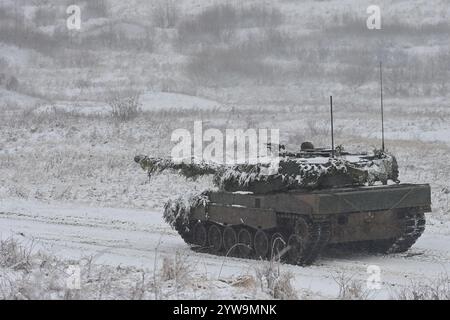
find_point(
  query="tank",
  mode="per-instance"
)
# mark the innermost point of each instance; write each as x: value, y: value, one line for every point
x: 316, y: 198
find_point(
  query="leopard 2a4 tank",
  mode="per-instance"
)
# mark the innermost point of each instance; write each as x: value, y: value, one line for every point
x: 317, y: 197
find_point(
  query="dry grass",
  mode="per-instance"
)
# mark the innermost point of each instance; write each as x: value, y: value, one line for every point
x: 351, y: 289
x: 436, y: 289
x: 274, y: 282
x: 244, y: 281
x: 176, y: 268
x: 29, y: 275
x: 15, y: 256
x: 125, y: 108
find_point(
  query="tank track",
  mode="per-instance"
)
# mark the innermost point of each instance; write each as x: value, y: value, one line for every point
x: 318, y: 234
x: 413, y: 225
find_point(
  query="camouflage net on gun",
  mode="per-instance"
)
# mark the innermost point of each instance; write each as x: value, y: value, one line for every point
x: 293, y: 172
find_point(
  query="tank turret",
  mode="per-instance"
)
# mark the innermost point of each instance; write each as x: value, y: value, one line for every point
x: 308, y: 168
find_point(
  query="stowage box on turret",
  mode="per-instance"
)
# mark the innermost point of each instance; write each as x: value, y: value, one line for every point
x: 313, y: 200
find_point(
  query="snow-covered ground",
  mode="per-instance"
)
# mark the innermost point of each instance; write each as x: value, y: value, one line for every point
x: 141, y: 239
x: 68, y: 183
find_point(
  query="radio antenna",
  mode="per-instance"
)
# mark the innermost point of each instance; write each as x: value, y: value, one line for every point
x: 382, y: 106
x: 332, y: 129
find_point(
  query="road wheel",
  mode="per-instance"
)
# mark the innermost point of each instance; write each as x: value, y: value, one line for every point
x: 261, y: 244
x: 200, y: 237
x: 215, y: 238
x: 229, y: 240
x: 245, y: 240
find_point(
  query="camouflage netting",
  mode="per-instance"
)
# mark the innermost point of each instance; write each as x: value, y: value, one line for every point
x: 177, y: 211
x: 293, y: 172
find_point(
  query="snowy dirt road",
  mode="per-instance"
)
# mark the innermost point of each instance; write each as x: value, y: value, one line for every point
x: 141, y: 238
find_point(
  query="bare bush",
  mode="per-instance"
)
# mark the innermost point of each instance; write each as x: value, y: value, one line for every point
x: 177, y: 269
x: 351, y: 289
x: 13, y: 255
x: 438, y: 289
x: 34, y: 276
x: 274, y: 282
x: 124, y: 108
x: 244, y: 281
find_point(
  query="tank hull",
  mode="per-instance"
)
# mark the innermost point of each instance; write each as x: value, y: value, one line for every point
x: 389, y: 218
x: 356, y: 214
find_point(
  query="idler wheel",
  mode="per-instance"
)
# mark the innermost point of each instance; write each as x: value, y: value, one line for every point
x: 277, y: 245
x: 261, y: 244
x: 245, y: 240
x: 229, y: 240
x: 215, y: 238
x: 199, y: 237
